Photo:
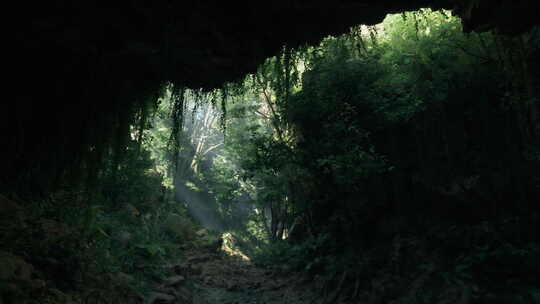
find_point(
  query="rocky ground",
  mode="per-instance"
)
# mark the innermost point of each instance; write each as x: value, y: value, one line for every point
x: 218, y: 277
x: 208, y: 273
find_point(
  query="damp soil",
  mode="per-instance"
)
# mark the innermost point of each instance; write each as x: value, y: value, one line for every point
x: 225, y: 279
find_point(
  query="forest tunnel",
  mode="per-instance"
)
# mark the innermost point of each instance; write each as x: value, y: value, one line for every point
x: 83, y: 72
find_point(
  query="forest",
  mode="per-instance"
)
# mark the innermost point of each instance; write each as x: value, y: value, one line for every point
x: 397, y: 163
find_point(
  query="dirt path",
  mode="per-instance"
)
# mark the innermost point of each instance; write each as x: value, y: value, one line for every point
x: 224, y: 279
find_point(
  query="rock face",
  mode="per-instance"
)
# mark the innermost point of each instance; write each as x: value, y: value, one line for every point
x: 81, y: 69
x: 205, y: 43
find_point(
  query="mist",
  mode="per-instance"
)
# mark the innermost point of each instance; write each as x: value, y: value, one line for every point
x: 201, y: 206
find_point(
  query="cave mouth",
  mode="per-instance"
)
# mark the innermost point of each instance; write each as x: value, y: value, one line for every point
x: 82, y: 73
x: 367, y: 164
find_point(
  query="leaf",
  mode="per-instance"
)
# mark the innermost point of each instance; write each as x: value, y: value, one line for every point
x: 103, y: 232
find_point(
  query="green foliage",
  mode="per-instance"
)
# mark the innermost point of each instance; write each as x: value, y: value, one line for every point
x: 395, y: 130
x: 306, y: 256
x: 410, y: 119
x: 84, y: 242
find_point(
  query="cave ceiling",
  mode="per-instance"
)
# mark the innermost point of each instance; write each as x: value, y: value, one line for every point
x: 206, y: 43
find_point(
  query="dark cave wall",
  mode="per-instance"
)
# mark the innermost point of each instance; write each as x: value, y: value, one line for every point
x: 202, y: 44
x: 82, y: 71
